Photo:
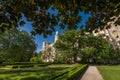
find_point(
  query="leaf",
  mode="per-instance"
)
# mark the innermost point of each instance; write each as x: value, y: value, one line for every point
x: 21, y: 23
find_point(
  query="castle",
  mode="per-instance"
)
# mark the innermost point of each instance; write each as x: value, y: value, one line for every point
x: 111, y: 34
x: 48, y: 50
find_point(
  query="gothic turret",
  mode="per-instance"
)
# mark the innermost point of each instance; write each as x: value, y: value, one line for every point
x: 56, y: 36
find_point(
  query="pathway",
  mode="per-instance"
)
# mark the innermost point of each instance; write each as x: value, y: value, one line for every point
x: 91, y: 74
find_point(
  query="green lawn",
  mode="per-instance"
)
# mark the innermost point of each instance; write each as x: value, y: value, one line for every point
x: 14, y: 74
x: 110, y: 72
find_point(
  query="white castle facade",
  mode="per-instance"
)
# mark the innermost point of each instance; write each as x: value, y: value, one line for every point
x: 48, y: 50
x: 111, y: 34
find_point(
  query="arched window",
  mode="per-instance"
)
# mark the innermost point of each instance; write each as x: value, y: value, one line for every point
x: 115, y: 33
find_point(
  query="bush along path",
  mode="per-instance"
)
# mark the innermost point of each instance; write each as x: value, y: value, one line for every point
x: 91, y: 74
x: 66, y: 74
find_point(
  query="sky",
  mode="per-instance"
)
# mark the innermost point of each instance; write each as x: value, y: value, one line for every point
x: 39, y: 39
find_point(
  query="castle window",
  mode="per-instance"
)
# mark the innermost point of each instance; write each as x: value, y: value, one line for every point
x: 117, y: 36
x: 118, y: 42
x: 115, y: 33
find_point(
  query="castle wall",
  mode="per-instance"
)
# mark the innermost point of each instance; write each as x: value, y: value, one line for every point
x: 49, y: 56
x: 112, y: 35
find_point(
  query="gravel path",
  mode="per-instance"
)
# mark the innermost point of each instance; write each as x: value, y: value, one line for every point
x: 91, y: 74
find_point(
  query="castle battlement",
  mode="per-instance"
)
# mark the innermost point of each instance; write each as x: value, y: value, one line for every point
x: 48, y: 49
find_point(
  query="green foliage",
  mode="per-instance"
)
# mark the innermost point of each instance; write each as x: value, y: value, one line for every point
x: 97, y: 49
x: 76, y: 72
x: 61, y: 58
x: 114, y: 56
x: 38, y: 72
x: 12, y: 66
x: 44, y: 22
x: 66, y: 74
x: 16, y: 46
x: 19, y: 63
x: 36, y: 59
x: 87, y: 54
x: 30, y: 78
x: 24, y: 64
x: 36, y: 11
x: 74, y: 46
x: 1, y: 78
x: 69, y: 44
x: 19, y: 66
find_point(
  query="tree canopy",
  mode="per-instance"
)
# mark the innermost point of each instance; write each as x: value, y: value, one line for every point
x: 75, y: 45
x: 16, y: 46
x: 44, y: 22
x: 70, y: 44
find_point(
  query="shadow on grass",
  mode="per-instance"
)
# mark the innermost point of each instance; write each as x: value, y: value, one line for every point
x: 21, y: 73
x: 44, y: 70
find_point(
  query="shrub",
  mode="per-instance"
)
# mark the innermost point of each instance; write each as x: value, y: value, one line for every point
x: 25, y: 66
x: 12, y: 66
x: 19, y: 66
x: 19, y: 63
x: 66, y: 74
x: 36, y: 59
x: 1, y: 79
x: 72, y: 74
x: 41, y: 65
x: 30, y: 78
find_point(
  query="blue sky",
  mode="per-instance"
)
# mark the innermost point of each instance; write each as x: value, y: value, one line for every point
x: 39, y: 39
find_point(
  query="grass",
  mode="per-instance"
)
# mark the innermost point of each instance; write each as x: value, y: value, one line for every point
x: 110, y: 72
x: 14, y: 74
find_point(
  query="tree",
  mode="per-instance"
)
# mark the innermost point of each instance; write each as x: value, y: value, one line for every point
x: 73, y: 45
x: 97, y: 50
x: 36, y: 57
x: 43, y: 22
x: 16, y: 46
x: 102, y: 13
x: 37, y: 12
x: 70, y: 43
x: 88, y: 54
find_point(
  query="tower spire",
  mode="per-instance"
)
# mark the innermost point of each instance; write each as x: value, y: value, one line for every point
x: 56, y: 36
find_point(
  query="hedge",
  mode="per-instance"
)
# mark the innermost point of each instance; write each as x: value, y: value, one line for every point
x: 66, y: 74
x: 19, y: 63
x: 19, y: 66
x: 79, y: 70
x: 73, y: 73
x: 26, y: 66
x: 29, y: 78
x: 1, y: 78
x: 12, y: 66
x: 23, y: 63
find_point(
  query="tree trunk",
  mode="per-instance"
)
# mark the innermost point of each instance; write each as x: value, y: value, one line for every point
x: 75, y: 58
x: 1, y: 62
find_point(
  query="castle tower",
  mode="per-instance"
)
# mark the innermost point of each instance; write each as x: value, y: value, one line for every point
x: 43, y: 46
x: 56, y: 36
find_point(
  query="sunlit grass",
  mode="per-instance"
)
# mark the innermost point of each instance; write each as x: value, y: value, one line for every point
x: 110, y: 72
